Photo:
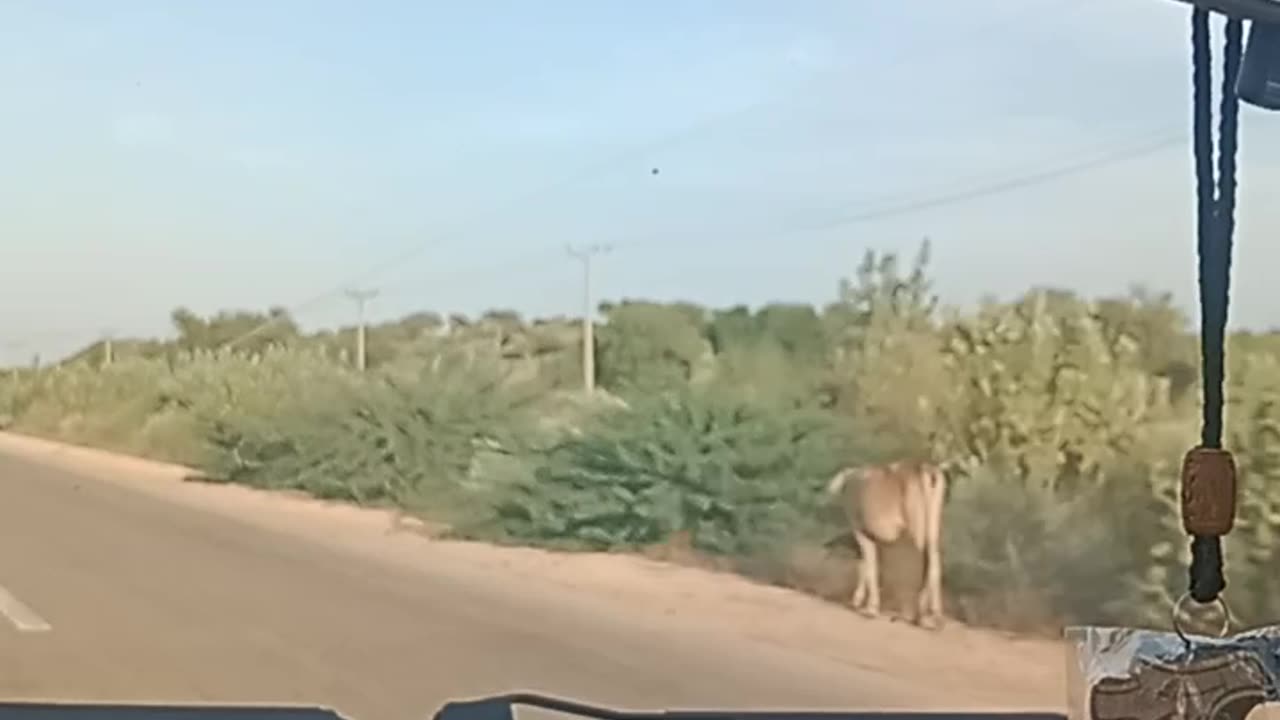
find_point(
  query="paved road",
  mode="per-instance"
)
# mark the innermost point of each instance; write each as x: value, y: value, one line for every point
x: 149, y: 600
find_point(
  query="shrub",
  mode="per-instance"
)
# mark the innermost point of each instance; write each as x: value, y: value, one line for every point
x: 408, y: 436
x: 737, y: 477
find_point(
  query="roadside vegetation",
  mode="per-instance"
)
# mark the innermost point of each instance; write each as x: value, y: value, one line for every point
x: 1061, y: 420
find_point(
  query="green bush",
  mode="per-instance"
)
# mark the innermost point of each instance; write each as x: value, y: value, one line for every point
x: 407, y: 436
x: 737, y: 477
x: 1028, y: 556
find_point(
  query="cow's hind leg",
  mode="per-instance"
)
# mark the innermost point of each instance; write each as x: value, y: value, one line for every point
x: 859, y: 590
x: 926, y: 615
x: 866, y: 596
x: 931, y: 593
x: 928, y: 609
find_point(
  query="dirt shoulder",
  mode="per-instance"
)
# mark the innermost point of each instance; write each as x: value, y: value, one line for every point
x: 996, y: 671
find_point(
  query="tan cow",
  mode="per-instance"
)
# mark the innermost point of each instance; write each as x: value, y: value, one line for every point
x: 882, y: 503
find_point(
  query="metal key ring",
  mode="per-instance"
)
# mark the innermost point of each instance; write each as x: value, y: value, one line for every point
x: 1177, y: 611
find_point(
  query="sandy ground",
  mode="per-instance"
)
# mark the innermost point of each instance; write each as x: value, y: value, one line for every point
x: 978, y: 668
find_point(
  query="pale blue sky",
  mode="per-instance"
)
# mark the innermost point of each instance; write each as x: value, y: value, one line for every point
x: 235, y: 153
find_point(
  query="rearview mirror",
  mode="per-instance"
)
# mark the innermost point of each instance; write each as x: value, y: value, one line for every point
x: 1259, y: 81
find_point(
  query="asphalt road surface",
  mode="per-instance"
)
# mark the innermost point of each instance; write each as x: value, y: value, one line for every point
x: 110, y: 593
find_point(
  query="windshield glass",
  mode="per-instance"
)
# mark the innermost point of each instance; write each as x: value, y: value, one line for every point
x: 731, y: 353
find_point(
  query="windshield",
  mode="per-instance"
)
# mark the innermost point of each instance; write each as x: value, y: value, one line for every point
x: 728, y: 353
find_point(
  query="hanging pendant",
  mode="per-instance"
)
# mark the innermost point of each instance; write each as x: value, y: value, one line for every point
x: 1129, y: 674
x: 1208, y: 492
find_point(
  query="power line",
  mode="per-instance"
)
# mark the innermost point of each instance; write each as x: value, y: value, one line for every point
x: 1031, y: 178
x: 1004, y: 186
x: 921, y: 202
x: 992, y: 188
x: 624, y: 158
x: 540, y: 254
x: 973, y: 191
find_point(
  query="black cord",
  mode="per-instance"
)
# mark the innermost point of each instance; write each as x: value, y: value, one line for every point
x: 1214, y: 229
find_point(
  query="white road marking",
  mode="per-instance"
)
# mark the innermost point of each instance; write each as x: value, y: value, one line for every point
x: 22, y: 617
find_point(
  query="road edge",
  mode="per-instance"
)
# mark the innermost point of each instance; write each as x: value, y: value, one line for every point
x: 356, y: 530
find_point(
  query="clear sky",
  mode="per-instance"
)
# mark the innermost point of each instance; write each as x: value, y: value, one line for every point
x: 235, y: 153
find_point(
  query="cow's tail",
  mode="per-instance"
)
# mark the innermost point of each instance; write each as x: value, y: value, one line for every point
x: 836, y: 486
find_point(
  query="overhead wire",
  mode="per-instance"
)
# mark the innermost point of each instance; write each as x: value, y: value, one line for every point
x: 1040, y: 174
x: 1043, y: 173
x: 624, y: 158
x: 1034, y: 178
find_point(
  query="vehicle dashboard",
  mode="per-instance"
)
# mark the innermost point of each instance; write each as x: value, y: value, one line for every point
x: 499, y: 707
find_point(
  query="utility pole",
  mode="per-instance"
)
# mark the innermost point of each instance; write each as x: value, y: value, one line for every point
x: 361, y: 298
x: 108, y: 348
x: 585, y: 255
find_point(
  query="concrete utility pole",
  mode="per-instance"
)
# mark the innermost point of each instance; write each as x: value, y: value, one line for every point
x: 361, y: 298
x: 585, y: 255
